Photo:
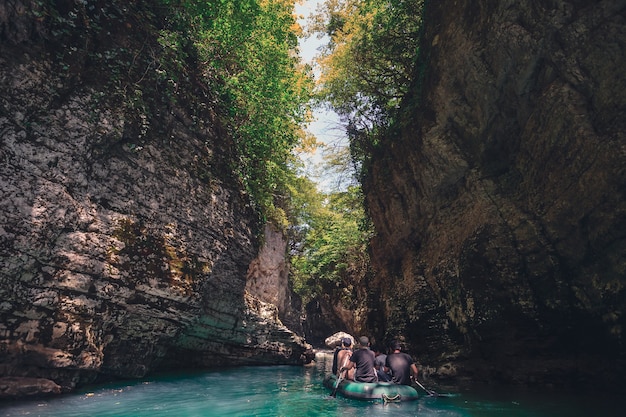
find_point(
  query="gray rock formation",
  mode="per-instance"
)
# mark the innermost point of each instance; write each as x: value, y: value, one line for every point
x: 125, y: 238
x: 335, y: 339
x: 499, y: 208
x: 267, y: 279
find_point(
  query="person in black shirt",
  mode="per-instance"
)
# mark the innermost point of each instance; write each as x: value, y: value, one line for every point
x: 363, y: 360
x: 379, y: 364
x: 400, y: 365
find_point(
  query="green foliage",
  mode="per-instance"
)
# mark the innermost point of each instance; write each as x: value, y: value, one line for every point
x: 366, y: 71
x: 369, y: 62
x: 248, y: 50
x: 332, y: 237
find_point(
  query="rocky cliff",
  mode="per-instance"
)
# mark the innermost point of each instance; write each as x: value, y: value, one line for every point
x: 499, y: 206
x: 125, y: 236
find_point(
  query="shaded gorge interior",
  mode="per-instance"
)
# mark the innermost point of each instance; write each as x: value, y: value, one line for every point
x: 152, y: 218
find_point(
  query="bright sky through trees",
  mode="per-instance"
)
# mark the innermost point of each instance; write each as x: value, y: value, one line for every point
x: 325, y: 125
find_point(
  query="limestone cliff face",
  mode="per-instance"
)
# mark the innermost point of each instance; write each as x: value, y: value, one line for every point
x: 125, y: 239
x: 499, y: 208
x: 267, y: 279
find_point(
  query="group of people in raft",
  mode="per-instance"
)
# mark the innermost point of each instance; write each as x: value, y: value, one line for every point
x: 367, y: 365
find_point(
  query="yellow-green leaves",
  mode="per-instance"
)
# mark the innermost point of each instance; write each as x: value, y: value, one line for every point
x: 332, y: 240
x: 248, y: 49
x: 368, y: 63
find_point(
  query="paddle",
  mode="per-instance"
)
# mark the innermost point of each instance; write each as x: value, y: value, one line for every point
x: 429, y: 391
x: 339, y: 377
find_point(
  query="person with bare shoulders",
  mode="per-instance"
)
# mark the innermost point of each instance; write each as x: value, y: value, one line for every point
x: 342, y: 358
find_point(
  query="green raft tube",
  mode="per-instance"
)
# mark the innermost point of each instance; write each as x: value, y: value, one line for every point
x: 386, y: 391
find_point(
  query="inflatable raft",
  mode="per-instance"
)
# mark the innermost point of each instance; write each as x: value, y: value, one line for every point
x: 386, y: 391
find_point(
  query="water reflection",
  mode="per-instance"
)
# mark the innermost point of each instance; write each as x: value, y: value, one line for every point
x: 289, y: 392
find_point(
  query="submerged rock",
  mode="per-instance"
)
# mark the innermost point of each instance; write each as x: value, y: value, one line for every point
x: 16, y: 387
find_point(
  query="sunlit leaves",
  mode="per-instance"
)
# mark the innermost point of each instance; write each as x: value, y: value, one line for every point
x: 332, y: 241
x: 248, y: 51
x: 368, y: 63
x: 366, y: 69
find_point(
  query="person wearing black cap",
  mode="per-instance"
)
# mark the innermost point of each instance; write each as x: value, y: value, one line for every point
x: 342, y: 355
x: 400, y: 365
x: 363, y: 360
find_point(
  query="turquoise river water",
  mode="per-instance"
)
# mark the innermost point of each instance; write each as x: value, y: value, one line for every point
x: 291, y: 391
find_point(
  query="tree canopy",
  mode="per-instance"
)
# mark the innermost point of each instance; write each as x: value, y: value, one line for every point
x: 329, y: 254
x: 248, y: 49
x: 368, y: 65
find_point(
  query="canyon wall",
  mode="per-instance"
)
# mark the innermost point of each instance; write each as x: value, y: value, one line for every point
x: 125, y: 236
x: 499, y: 207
